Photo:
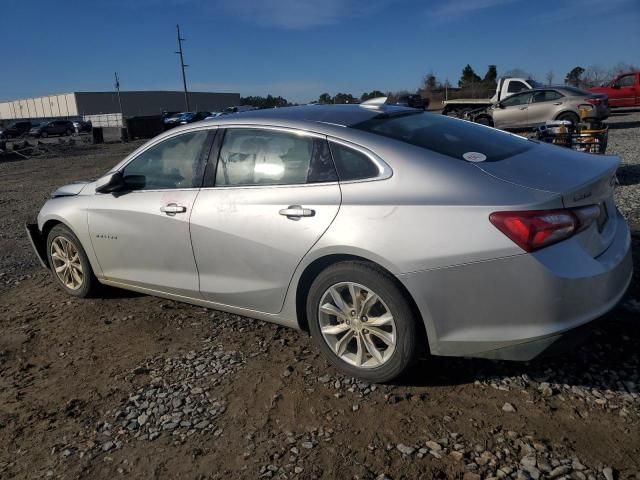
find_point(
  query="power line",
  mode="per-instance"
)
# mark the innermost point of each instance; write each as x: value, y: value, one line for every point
x: 183, y: 66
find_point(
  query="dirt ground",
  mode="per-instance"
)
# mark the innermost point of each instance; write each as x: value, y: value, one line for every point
x: 128, y: 385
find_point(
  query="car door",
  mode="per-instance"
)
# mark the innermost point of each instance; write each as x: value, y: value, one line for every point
x: 512, y: 111
x: 623, y: 92
x: 141, y: 235
x: 544, y: 105
x: 270, y: 195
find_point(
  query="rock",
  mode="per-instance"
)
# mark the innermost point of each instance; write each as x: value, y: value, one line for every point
x: 471, y: 476
x: 142, y: 419
x: 528, y: 461
x: 457, y: 456
x: 431, y: 445
x: 507, y: 407
x: 108, y: 446
x: 307, y: 445
x: 404, y: 449
x: 608, y: 473
x: 559, y: 471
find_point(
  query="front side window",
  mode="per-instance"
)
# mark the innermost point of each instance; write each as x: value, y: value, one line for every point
x: 253, y: 156
x: 545, y: 96
x: 170, y: 164
x: 515, y: 86
x: 514, y: 100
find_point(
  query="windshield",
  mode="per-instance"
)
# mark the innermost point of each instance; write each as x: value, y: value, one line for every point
x: 447, y: 136
x: 535, y: 84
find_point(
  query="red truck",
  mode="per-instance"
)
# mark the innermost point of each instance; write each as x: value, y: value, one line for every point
x: 623, y: 91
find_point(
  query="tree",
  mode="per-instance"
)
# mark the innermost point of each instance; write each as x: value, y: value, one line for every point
x: 469, y: 77
x: 325, y: 98
x: 264, y: 102
x: 344, y: 98
x: 518, y: 72
x: 549, y: 76
x: 573, y: 77
x: 620, y: 68
x: 594, y: 76
x: 490, y: 79
x: 372, y: 94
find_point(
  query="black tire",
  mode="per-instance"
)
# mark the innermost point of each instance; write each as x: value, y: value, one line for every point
x: 69, y: 132
x: 44, y: 134
x: 380, y: 282
x: 89, y: 283
x: 569, y: 116
x: 484, y: 120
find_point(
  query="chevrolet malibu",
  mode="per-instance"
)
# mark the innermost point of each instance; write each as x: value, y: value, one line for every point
x: 383, y: 231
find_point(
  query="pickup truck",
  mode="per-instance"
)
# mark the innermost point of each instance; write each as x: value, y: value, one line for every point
x: 506, y: 86
x: 623, y: 91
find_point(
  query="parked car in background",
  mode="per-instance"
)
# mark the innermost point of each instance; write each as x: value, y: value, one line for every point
x: 413, y: 101
x: 214, y: 115
x: 183, y: 118
x: 505, y: 87
x: 623, y: 91
x: 353, y: 222
x: 54, y: 127
x: 15, y: 129
x: 82, y: 127
x: 533, y: 108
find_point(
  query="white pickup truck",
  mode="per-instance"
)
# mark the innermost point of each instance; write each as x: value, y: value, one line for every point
x: 506, y: 86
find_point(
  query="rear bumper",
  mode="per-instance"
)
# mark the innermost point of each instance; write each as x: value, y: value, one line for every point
x: 518, y: 307
x: 37, y: 243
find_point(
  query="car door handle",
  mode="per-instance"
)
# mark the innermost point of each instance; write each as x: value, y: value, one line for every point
x: 557, y: 103
x: 295, y: 212
x: 523, y: 108
x: 173, y: 208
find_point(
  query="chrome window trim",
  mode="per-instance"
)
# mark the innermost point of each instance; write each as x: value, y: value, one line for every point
x: 384, y: 170
x: 122, y: 166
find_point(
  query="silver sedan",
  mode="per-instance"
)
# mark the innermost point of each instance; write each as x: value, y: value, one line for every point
x: 383, y: 231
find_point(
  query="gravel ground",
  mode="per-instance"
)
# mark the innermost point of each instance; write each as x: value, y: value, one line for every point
x: 134, y: 386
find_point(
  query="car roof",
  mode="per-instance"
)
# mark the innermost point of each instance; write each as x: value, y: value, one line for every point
x: 306, y: 115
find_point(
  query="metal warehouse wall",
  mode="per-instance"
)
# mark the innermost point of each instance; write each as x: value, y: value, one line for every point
x: 152, y: 103
x: 50, y: 106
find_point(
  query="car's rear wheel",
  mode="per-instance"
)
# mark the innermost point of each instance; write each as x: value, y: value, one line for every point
x: 69, y: 263
x: 570, y: 117
x: 69, y: 132
x: 44, y: 134
x: 362, y: 322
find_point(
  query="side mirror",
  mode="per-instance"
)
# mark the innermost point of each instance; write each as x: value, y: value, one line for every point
x: 499, y: 105
x: 616, y: 87
x: 110, y: 183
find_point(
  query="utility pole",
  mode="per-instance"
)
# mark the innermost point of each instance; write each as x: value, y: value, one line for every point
x: 119, y: 100
x: 183, y: 66
x: 124, y: 135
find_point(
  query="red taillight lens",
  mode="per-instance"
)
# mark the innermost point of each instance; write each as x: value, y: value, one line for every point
x: 534, y: 229
x: 594, y: 101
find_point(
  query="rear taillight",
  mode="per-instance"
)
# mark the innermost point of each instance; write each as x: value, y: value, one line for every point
x: 594, y: 101
x: 535, y: 229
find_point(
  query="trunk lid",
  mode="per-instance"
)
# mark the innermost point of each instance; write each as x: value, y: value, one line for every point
x: 579, y: 178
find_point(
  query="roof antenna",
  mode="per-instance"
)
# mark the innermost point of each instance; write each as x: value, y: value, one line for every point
x: 374, y: 102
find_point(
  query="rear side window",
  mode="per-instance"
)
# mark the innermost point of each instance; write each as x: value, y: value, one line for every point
x: 444, y: 135
x: 515, y: 86
x: 268, y: 157
x: 351, y: 164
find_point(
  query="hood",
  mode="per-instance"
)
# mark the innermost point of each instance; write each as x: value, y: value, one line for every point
x: 69, y: 190
x: 580, y: 178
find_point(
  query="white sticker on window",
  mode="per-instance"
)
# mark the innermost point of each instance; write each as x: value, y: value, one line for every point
x: 474, y: 157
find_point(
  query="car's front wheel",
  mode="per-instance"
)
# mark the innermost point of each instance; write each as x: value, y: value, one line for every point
x: 69, y: 263
x: 362, y: 322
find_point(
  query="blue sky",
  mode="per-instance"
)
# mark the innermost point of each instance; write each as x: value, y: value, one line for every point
x: 301, y: 48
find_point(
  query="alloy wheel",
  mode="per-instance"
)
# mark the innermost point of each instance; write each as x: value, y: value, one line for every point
x: 65, y: 257
x: 357, y: 325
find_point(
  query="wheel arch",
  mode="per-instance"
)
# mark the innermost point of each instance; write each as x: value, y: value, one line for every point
x: 313, y: 269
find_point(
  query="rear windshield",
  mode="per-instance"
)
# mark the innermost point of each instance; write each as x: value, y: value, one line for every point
x: 445, y: 135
